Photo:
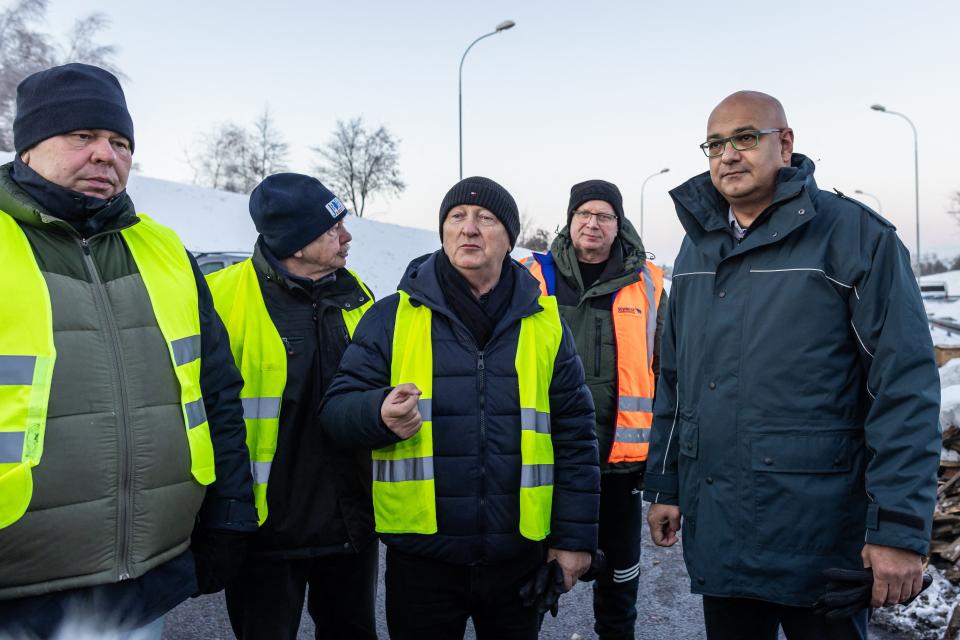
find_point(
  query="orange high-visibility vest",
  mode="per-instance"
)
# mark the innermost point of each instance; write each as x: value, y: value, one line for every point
x: 634, y: 326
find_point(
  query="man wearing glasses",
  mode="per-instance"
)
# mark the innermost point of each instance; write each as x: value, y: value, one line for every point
x: 291, y: 311
x: 796, y: 424
x: 613, y: 299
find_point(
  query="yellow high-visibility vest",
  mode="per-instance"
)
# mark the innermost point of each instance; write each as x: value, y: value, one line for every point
x: 262, y: 360
x: 27, y: 353
x: 404, y: 494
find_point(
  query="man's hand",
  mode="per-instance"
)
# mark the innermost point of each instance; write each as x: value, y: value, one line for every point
x: 664, y: 521
x: 573, y: 563
x: 897, y: 574
x: 399, y: 410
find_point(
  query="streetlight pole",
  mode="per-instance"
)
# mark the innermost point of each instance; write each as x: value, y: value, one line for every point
x: 916, y: 171
x: 503, y: 26
x: 864, y: 193
x: 642, y: 187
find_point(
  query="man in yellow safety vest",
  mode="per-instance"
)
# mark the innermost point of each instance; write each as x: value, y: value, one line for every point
x: 467, y: 387
x: 121, y: 429
x: 290, y: 311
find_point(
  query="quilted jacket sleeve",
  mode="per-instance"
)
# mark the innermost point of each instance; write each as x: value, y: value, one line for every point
x: 576, y: 491
x: 350, y: 413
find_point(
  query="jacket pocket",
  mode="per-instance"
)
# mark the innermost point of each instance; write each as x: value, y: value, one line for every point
x: 804, y: 488
x: 688, y: 467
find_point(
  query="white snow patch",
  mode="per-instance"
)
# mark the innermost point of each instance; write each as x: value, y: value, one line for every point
x: 211, y: 220
x: 927, y: 616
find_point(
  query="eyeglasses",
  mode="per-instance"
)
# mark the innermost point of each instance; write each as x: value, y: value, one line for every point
x: 335, y: 230
x: 602, y: 218
x: 741, y: 142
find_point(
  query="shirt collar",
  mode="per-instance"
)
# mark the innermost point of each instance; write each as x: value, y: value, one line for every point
x: 738, y: 231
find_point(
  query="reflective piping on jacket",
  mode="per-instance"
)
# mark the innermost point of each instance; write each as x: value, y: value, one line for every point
x: 403, y: 469
x: 536, y: 475
x: 259, y: 408
x: 636, y: 403
x: 17, y: 370
x: 260, y: 471
x: 186, y: 349
x: 11, y: 446
x: 651, y: 312
x: 196, y: 413
x: 632, y: 435
x: 533, y: 420
x: 425, y: 406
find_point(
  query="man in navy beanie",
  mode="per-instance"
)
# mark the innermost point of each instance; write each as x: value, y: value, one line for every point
x: 125, y: 482
x: 291, y: 311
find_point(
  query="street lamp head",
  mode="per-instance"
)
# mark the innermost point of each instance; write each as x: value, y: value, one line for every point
x: 664, y: 170
x: 878, y: 107
x: 858, y: 191
x: 506, y: 24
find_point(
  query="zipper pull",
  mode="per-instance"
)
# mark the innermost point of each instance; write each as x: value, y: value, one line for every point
x: 85, y: 245
x: 286, y: 343
x: 480, y: 360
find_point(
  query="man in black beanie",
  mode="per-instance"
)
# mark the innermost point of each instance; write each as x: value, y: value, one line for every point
x: 467, y: 387
x: 121, y: 428
x: 612, y: 298
x: 291, y: 311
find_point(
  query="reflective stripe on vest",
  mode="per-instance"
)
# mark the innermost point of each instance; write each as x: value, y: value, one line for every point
x: 27, y: 353
x: 634, y: 315
x: 261, y: 358
x: 404, y: 496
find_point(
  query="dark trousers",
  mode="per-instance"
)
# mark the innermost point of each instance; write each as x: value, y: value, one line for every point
x: 746, y: 619
x: 266, y: 602
x: 431, y: 599
x: 621, y: 525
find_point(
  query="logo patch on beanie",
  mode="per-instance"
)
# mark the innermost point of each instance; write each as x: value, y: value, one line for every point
x: 335, y: 207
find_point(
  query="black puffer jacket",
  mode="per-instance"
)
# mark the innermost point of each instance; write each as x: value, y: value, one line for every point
x: 476, y: 427
x: 319, y: 494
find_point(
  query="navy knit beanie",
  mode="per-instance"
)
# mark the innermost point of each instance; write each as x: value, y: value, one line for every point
x: 595, y: 190
x: 291, y: 210
x: 485, y: 193
x: 66, y: 98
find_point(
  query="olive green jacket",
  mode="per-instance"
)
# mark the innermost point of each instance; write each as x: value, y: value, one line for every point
x: 590, y: 317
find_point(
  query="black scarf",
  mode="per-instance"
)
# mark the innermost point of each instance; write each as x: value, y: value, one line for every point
x: 480, y: 315
x: 87, y: 214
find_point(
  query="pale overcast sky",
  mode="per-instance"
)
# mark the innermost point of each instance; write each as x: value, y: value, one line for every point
x: 608, y: 89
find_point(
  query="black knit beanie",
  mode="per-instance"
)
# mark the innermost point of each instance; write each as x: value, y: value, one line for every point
x: 595, y: 190
x: 66, y: 98
x: 485, y: 193
x: 291, y: 210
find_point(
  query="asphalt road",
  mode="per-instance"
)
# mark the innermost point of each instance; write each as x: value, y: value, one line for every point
x: 666, y: 608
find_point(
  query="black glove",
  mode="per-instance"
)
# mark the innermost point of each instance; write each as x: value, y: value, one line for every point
x: 219, y: 557
x: 850, y: 591
x: 598, y: 564
x: 544, y: 589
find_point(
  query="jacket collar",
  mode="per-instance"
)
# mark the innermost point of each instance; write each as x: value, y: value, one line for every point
x: 420, y: 281
x: 117, y: 214
x: 702, y: 210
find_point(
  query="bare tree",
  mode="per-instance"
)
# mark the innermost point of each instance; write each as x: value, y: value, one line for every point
x: 269, y: 151
x: 954, y: 209
x: 222, y: 159
x: 360, y: 162
x: 236, y: 159
x: 24, y: 49
x: 533, y: 237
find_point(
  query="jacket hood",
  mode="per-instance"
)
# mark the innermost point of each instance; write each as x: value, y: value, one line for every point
x: 421, y: 282
x: 702, y: 209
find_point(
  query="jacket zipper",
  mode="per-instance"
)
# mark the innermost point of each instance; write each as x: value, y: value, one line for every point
x: 125, y: 493
x: 596, y: 354
x: 481, y: 372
